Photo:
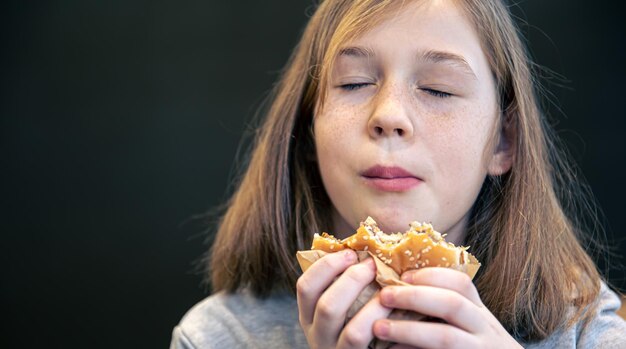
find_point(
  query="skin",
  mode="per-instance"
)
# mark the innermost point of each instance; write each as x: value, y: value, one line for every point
x: 389, y: 104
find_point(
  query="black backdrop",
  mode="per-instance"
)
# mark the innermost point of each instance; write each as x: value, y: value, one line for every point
x: 120, y: 121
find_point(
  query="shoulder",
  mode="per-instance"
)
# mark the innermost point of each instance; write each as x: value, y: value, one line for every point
x: 604, y: 330
x: 240, y: 320
x: 208, y: 324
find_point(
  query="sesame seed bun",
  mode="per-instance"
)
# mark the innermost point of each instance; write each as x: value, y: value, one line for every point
x: 419, y: 247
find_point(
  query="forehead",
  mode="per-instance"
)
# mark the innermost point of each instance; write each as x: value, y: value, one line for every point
x: 419, y: 27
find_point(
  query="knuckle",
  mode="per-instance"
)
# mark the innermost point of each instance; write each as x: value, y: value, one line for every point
x: 302, y: 285
x: 447, y: 338
x: 358, y: 274
x: 354, y: 338
x: 324, y: 309
x: 469, y: 290
x: 454, y: 306
x: 466, y: 283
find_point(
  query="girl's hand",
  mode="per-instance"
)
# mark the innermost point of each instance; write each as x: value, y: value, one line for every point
x: 325, y: 293
x: 446, y: 294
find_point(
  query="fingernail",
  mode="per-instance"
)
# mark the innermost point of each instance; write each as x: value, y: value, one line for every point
x: 407, y: 277
x: 350, y: 255
x: 382, y: 329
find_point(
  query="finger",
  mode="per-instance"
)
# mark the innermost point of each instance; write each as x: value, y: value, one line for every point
x: 437, y: 302
x: 333, y: 304
x: 317, y: 278
x: 444, y: 278
x: 358, y: 331
x: 424, y: 334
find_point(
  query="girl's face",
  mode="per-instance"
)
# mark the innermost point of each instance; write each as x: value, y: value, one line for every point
x: 407, y: 126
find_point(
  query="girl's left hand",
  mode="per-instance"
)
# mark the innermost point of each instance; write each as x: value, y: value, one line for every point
x: 446, y: 294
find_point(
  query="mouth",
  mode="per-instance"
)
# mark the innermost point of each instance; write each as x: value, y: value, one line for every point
x: 390, y: 178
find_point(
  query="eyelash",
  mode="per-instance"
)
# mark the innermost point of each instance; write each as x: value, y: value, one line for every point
x: 352, y: 87
x: 430, y: 91
x: 436, y: 93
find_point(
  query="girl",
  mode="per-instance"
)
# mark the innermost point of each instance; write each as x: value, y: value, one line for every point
x: 405, y: 110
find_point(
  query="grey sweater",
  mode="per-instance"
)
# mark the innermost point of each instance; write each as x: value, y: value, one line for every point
x: 241, y: 320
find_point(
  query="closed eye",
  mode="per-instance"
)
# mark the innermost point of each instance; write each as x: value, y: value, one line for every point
x: 436, y: 93
x: 355, y: 86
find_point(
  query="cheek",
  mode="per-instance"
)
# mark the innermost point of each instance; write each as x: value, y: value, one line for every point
x: 463, y: 150
x: 335, y: 130
x: 332, y: 133
x: 463, y: 137
x: 458, y: 146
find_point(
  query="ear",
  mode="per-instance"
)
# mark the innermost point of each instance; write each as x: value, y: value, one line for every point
x: 502, y: 158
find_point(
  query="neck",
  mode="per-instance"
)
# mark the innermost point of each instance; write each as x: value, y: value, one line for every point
x: 456, y: 233
x: 341, y: 228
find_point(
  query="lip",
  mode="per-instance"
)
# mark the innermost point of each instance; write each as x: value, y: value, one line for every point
x: 390, y: 178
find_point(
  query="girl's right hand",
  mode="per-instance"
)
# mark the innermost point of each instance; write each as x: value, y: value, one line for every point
x: 325, y: 293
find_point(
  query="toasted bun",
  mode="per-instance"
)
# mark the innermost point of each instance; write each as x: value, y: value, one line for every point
x: 419, y: 247
x: 327, y: 243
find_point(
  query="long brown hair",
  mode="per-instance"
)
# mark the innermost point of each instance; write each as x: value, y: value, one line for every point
x: 524, y: 227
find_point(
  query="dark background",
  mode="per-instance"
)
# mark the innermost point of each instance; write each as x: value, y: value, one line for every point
x: 120, y: 121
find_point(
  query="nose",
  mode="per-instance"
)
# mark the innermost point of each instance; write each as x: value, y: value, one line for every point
x: 391, y: 115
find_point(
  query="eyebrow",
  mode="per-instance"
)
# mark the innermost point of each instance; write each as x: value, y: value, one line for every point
x: 446, y: 57
x: 432, y: 56
x: 356, y: 51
